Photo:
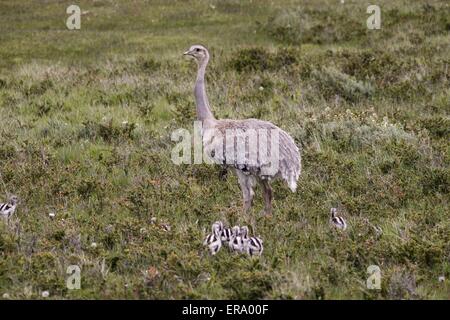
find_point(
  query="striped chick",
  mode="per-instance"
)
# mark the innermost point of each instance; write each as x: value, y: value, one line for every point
x: 7, y: 209
x: 252, y: 245
x: 337, y: 221
x: 213, y: 240
x: 236, y: 243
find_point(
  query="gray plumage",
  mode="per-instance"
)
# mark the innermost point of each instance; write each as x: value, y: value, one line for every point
x: 253, y: 167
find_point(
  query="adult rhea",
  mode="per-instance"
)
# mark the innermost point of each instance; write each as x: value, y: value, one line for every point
x: 288, y: 160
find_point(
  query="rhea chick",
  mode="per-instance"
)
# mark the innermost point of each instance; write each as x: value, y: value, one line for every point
x: 7, y: 209
x: 337, y: 221
x: 236, y: 243
x: 253, y: 246
x: 213, y: 240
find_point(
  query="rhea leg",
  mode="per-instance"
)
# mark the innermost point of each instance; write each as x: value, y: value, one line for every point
x: 246, y: 183
x: 267, y: 195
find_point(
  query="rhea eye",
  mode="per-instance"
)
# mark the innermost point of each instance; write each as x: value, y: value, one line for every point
x: 197, y: 49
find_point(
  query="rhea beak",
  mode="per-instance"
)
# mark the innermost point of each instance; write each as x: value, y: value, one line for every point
x: 187, y: 53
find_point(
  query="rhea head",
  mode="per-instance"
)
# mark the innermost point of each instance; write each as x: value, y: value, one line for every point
x: 217, y: 227
x: 198, y: 52
x: 244, y: 231
x: 236, y: 230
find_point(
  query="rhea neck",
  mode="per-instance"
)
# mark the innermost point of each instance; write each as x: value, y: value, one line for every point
x: 201, y: 99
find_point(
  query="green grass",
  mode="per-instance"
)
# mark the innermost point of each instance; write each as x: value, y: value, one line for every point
x: 86, y: 123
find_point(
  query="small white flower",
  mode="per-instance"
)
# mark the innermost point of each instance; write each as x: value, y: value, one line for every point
x: 124, y: 122
x: 45, y: 294
x: 94, y: 245
x: 51, y: 214
x: 261, y: 88
x: 5, y: 296
x: 441, y: 279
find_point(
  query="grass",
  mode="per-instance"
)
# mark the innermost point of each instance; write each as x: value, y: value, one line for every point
x: 86, y: 123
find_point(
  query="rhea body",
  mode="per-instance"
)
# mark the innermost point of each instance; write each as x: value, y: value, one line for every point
x: 249, y: 173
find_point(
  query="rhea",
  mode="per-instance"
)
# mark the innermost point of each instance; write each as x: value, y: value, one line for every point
x: 286, y: 165
x: 235, y: 243
x: 7, y: 209
x: 213, y: 240
x: 253, y: 246
x: 337, y: 221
